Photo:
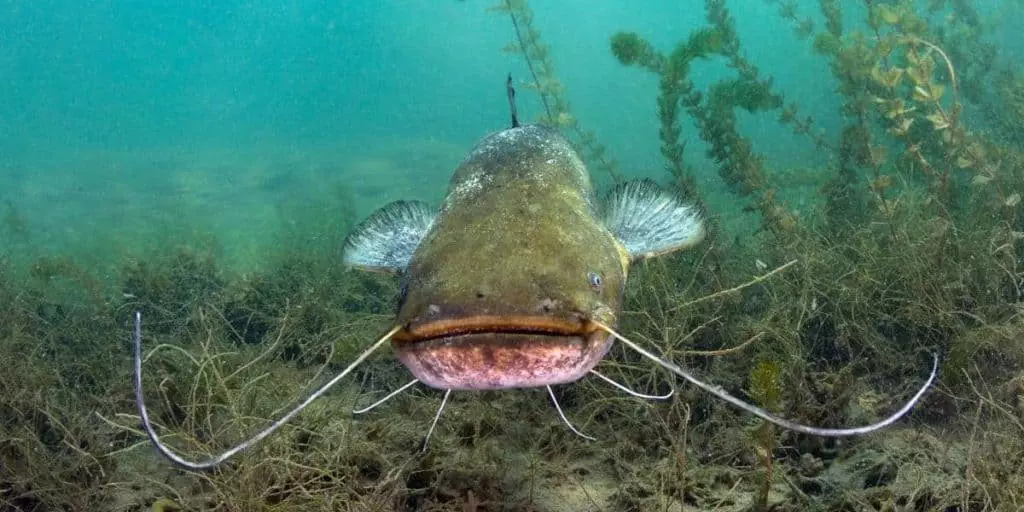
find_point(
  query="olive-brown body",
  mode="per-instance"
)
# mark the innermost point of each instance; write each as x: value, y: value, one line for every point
x: 503, y: 288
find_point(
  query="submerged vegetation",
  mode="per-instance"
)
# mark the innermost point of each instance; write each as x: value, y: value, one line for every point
x: 914, y: 248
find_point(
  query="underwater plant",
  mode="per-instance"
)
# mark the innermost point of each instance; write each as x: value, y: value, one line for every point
x: 464, y: 325
x: 829, y: 319
x: 545, y: 83
x: 713, y: 111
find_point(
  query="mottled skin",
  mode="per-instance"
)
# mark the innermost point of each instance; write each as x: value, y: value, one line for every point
x: 501, y: 291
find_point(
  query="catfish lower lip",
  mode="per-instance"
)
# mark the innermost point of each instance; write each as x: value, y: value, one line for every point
x: 501, y: 359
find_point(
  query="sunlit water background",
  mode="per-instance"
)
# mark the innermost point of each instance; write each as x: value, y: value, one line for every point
x: 128, y: 127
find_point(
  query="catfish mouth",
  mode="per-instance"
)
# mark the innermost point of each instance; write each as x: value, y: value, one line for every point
x: 500, y: 352
x: 575, y: 326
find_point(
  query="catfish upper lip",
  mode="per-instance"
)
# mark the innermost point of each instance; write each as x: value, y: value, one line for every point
x: 576, y: 325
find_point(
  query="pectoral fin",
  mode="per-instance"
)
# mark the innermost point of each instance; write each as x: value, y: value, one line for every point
x: 385, y: 241
x: 648, y: 221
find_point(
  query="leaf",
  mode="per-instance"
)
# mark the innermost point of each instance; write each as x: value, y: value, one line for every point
x: 938, y: 121
x: 888, y: 15
x: 881, y: 183
x: 917, y: 75
x: 889, y: 78
x: 885, y: 45
x: 879, y: 154
x: 976, y: 150
x: 903, y: 126
x: 897, y: 108
x: 878, y: 75
x: 1012, y: 200
x: 826, y: 43
x: 980, y: 179
x: 894, y: 76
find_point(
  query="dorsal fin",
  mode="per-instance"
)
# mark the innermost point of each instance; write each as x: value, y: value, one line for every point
x: 512, y: 100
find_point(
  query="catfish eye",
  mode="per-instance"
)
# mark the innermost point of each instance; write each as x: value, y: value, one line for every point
x: 595, y: 280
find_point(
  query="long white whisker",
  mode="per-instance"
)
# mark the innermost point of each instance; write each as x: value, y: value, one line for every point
x: 167, y: 452
x: 385, y: 399
x: 767, y: 416
x: 437, y: 417
x: 630, y: 392
x: 558, y: 408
